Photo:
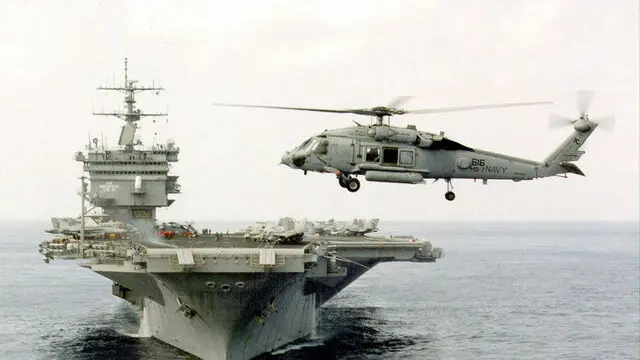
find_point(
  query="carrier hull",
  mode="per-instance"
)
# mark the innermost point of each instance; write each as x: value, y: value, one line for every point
x: 225, y: 305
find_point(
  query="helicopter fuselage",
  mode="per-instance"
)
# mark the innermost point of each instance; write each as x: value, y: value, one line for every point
x: 391, y: 154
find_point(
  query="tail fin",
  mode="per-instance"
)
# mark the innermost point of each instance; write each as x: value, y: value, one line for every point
x: 559, y: 161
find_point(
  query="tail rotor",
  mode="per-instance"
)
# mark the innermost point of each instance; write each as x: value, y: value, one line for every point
x: 583, y: 122
x: 584, y: 99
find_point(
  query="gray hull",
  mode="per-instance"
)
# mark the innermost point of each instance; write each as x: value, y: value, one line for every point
x: 194, y: 313
x: 230, y: 304
x: 269, y: 312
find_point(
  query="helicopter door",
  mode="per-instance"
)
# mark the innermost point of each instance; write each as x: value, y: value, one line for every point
x: 355, y: 145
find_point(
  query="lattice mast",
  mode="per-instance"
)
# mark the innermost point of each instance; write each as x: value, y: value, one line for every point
x: 131, y: 115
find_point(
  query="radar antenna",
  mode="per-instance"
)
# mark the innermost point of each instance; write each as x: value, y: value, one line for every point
x: 130, y: 114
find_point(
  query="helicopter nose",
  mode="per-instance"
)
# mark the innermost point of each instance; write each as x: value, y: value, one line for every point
x: 286, y: 159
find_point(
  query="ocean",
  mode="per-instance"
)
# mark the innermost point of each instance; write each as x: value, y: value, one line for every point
x: 503, y: 290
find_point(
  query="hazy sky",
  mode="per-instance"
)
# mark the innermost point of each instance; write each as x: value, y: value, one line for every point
x: 332, y: 54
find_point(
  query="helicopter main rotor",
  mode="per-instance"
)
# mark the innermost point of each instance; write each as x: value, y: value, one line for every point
x: 392, y: 109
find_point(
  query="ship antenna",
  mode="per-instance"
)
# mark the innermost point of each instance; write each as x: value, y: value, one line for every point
x: 130, y: 115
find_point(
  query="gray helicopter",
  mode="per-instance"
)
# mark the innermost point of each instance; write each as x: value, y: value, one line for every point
x: 385, y: 153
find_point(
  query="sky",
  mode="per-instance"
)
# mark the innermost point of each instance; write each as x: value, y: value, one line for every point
x: 328, y: 54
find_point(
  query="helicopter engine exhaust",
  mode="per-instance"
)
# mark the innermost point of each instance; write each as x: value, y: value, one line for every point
x: 423, y: 143
x: 393, y: 177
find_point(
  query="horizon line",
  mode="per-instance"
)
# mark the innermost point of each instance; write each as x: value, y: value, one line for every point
x: 352, y: 218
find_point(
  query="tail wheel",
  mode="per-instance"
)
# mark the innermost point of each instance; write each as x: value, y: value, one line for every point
x: 449, y: 195
x: 353, y: 184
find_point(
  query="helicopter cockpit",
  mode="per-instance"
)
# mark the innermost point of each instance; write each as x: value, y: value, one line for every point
x: 304, y: 156
x: 313, y: 145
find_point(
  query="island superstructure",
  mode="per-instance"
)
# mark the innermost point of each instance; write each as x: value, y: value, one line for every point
x: 216, y: 295
x: 111, y: 171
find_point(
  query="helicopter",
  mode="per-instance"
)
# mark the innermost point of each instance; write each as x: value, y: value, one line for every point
x: 385, y: 153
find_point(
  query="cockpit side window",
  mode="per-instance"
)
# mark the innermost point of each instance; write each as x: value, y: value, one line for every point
x: 304, y: 144
x: 309, y: 146
x: 320, y: 146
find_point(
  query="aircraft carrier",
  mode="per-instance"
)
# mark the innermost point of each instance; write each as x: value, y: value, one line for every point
x: 216, y: 295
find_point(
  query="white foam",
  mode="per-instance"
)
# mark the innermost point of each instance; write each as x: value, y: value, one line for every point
x: 306, y: 344
x: 143, y: 330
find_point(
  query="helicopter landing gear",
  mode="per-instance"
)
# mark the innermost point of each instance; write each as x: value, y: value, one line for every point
x: 350, y: 183
x: 353, y: 184
x: 449, y: 195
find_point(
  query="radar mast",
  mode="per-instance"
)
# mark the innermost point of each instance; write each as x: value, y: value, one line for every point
x: 130, y: 114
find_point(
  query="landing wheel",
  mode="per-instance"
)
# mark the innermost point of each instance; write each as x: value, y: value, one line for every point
x: 341, y: 182
x: 449, y: 195
x: 353, y: 184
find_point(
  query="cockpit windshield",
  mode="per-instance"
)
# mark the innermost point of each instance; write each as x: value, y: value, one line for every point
x: 314, y: 145
x: 304, y: 144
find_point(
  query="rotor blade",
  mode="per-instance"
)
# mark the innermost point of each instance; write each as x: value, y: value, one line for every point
x: 606, y: 123
x: 584, y: 100
x: 556, y: 121
x: 398, y: 101
x: 487, y: 106
x: 290, y: 108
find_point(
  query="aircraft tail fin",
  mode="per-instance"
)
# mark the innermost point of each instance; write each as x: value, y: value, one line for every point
x: 88, y: 221
x: 560, y: 160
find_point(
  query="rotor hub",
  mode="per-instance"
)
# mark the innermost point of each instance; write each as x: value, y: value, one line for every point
x: 386, y: 111
x: 582, y: 125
